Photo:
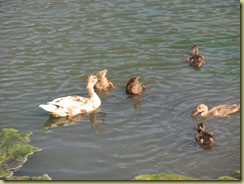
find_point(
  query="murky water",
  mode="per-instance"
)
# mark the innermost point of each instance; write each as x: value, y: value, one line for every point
x: 49, y: 47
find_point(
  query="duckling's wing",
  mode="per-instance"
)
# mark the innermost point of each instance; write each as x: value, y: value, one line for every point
x: 193, y: 60
x: 208, y: 139
x: 211, y: 135
x: 190, y: 59
x: 196, y: 60
x: 224, y: 110
x: 198, y: 137
x: 202, y: 58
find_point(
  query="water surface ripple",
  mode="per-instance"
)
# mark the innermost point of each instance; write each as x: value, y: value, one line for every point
x: 49, y: 47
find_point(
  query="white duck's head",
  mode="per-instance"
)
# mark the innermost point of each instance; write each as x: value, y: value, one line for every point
x: 91, y: 80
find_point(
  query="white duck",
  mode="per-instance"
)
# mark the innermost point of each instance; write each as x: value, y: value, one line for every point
x: 74, y: 105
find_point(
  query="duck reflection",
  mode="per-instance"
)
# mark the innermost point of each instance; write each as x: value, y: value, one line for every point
x: 54, y: 122
x: 137, y: 105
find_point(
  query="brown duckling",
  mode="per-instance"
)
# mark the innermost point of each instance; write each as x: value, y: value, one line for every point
x: 103, y: 83
x: 196, y: 59
x: 219, y: 111
x: 203, y: 138
x: 134, y: 87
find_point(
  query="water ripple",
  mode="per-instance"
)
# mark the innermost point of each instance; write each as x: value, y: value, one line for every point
x: 49, y: 47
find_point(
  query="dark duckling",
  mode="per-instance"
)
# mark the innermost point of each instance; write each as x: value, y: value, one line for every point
x: 103, y: 83
x: 203, y: 138
x: 196, y: 59
x: 134, y: 87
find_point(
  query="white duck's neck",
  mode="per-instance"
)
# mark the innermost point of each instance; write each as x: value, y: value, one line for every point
x: 91, y: 92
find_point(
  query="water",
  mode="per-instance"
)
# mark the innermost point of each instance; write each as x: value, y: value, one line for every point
x: 49, y: 47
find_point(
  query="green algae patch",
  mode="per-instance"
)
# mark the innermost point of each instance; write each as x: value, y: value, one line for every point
x: 163, y: 177
x: 226, y: 178
x: 14, y: 150
x: 235, y: 175
x: 27, y: 178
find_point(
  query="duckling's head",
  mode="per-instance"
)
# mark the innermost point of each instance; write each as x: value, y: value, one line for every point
x: 92, y: 80
x: 193, y: 46
x: 201, y: 108
x: 194, y: 49
x: 102, y: 74
x: 201, y: 127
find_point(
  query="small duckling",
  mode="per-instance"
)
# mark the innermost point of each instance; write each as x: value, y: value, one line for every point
x: 103, y: 83
x: 196, y: 59
x: 204, y: 138
x: 134, y: 87
x: 219, y: 111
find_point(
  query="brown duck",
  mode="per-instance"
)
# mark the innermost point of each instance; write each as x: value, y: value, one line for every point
x: 219, y: 111
x: 196, y: 59
x: 103, y: 83
x: 134, y: 87
x: 203, y: 138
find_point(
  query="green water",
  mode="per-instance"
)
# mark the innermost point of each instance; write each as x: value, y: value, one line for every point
x: 49, y: 47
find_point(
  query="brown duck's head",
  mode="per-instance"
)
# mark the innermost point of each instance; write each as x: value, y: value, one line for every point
x: 194, y: 49
x: 135, y: 79
x: 92, y: 79
x: 193, y: 46
x: 201, y: 127
x: 102, y: 73
x: 200, y: 108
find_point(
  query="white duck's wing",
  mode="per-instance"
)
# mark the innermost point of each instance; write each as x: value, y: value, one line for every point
x: 69, y: 101
x: 73, y: 104
x: 67, y: 106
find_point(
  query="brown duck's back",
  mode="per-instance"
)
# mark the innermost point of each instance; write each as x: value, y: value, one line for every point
x: 133, y: 86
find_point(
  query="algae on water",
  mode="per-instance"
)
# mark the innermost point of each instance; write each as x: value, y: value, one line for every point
x: 164, y: 176
x: 14, y: 150
x: 27, y: 178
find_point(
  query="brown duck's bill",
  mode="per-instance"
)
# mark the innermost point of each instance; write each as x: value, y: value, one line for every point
x: 195, y: 113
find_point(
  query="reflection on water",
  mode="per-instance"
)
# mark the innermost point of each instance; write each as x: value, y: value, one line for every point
x: 54, y: 122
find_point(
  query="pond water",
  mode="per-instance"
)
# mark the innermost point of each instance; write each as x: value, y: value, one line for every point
x: 49, y: 47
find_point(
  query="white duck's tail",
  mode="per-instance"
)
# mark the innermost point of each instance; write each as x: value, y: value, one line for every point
x: 54, y: 110
x: 49, y: 108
